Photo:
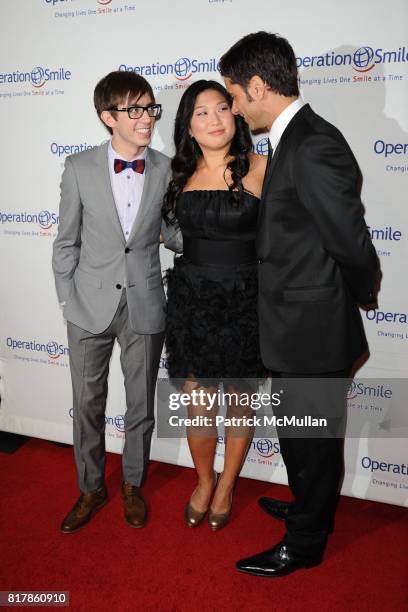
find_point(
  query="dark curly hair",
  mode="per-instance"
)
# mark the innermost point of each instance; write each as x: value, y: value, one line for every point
x: 188, y: 152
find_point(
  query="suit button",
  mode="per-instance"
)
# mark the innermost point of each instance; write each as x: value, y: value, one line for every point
x: 118, y: 286
x: 260, y: 261
x: 127, y: 250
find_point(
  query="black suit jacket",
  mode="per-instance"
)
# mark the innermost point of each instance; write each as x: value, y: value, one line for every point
x: 317, y: 259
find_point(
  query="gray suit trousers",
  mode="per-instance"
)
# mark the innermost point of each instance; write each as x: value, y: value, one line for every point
x: 89, y: 361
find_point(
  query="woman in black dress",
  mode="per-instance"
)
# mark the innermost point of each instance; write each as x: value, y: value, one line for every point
x: 212, y: 324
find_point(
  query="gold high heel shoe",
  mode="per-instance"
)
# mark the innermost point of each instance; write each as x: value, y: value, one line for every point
x: 218, y: 521
x: 193, y: 517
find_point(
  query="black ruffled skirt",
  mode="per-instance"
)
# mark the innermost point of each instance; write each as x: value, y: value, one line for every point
x: 212, y: 321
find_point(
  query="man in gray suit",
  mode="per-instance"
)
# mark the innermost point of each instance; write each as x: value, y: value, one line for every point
x: 108, y: 279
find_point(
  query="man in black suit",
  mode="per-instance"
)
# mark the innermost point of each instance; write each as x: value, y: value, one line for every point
x: 317, y: 264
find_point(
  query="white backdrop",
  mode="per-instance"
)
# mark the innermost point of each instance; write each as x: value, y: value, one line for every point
x: 353, y: 69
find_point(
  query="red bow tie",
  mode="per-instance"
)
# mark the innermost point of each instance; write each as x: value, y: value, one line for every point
x: 138, y: 165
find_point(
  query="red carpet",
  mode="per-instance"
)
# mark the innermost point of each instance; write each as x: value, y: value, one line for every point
x: 168, y: 567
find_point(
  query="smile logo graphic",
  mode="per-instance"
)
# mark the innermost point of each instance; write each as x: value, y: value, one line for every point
x: 265, y: 447
x: 363, y: 59
x: 37, y: 76
x: 182, y: 69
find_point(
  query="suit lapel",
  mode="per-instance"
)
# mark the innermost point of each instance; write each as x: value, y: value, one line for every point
x: 103, y: 181
x: 268, y: 176
x: 150, y: 187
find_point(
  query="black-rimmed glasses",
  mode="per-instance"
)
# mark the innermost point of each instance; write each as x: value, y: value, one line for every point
x: 135, y: 112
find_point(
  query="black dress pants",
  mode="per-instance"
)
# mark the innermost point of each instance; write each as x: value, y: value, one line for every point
x: 314, y: 465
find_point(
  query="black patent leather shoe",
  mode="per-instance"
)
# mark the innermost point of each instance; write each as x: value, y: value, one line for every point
x: 276, y: 561
x: 275, y: 507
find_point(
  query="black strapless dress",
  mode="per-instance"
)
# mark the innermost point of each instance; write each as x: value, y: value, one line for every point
x: 212, y: 307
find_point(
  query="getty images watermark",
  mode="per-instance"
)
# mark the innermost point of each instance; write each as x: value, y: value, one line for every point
x: 209, y: 401
x: 288, y: 407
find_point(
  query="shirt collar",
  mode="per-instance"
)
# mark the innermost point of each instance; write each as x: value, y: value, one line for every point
x: 112, y: 154
x: 281, y: 122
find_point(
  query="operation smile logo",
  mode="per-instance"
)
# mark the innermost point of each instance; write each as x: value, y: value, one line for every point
x: 55, y: 350
x: 44, y: 219
x: 390, y: 148
x: 37, y: 77
x: 394, y: 153
x: 61, y: 150
x: 382, y: 319
x: 118, y: 421
x: 385, y: 237
x: 362, y: 390
x: 387, y: 233
x: 266, y: 448
x: 362, y: 60
x: 52, y: 349
x: 379, y: 316
x: 182, y: 69
x: 385, y: 474
x: 375, y: 465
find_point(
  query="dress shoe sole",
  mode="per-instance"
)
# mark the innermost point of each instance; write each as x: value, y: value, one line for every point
x: 94, y: 511
x: 278, y: 574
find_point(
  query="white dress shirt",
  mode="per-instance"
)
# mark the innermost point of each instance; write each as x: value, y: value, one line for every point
x: 282, y: 121
x: 127, y: 187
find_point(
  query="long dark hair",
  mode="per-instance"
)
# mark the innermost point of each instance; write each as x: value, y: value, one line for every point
x: 188, y: 152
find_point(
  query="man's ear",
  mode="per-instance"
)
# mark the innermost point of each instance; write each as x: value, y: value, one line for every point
x: 108, y: 119
x: 256, y: 87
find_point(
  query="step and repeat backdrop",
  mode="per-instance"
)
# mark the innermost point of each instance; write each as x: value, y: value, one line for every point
x: 353, y: 70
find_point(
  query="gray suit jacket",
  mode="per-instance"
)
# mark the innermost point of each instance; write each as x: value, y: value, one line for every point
x: 92, y: 261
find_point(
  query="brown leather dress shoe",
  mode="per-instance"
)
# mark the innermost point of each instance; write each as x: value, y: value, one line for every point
x: 134, y: 505
x: 84, y: 509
